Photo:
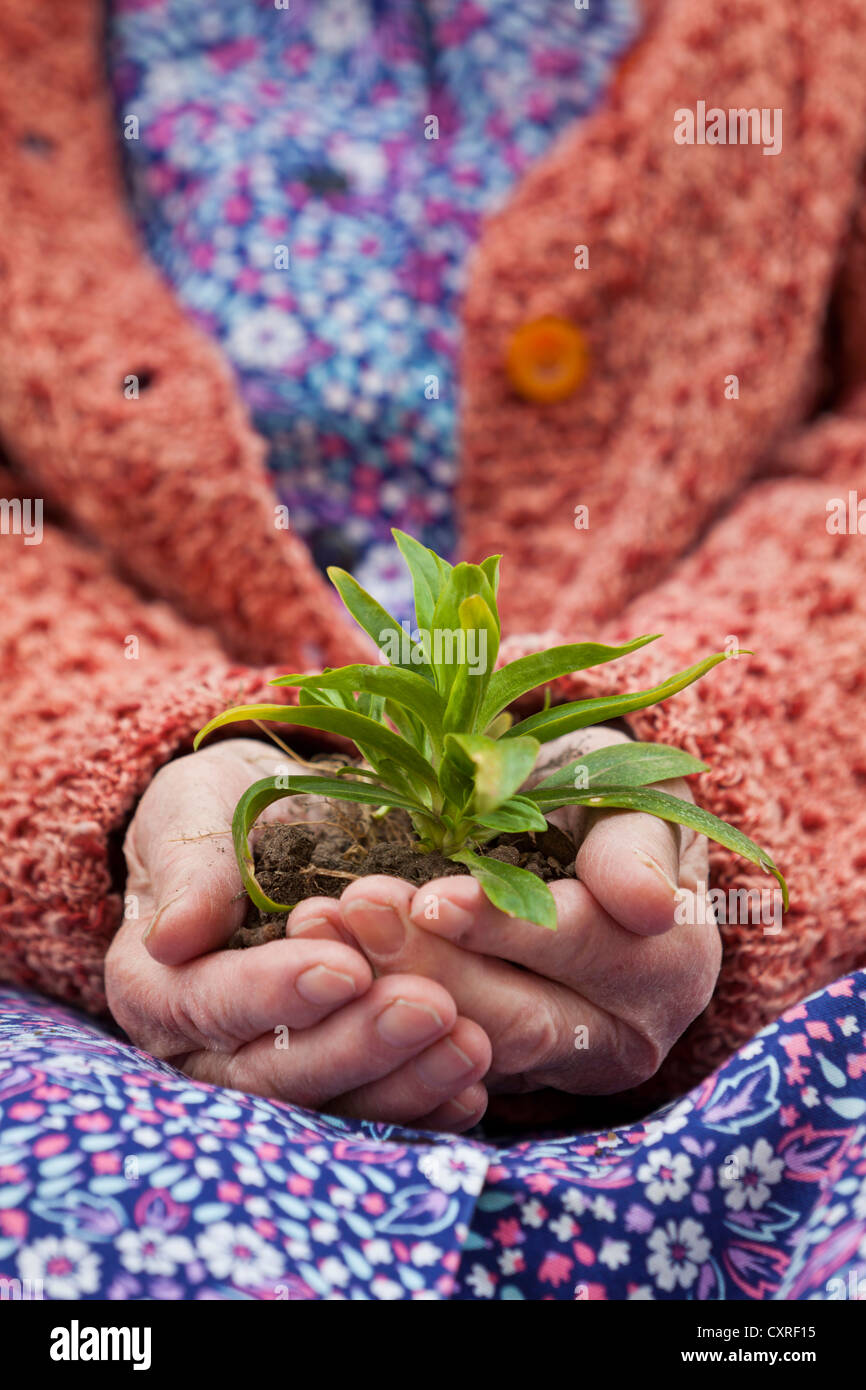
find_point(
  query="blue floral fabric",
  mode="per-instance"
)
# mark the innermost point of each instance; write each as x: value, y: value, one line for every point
x: 120, y: 1178
x: 312, y: 180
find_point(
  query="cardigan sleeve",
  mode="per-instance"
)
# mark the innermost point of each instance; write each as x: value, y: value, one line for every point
x: 97, y: 689
x: 782, y: 730
x: 115, y: 407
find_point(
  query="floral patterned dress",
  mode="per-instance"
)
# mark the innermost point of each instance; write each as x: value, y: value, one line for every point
x: 122, y: 1179
x: 260, y: 135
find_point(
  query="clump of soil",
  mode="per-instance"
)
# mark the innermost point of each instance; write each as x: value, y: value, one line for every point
x: 319, y: 859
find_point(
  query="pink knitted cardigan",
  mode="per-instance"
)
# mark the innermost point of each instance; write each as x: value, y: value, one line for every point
x: 707, y: 514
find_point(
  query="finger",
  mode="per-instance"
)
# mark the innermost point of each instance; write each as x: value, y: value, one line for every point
x: 530, y: 1021
x: 426, y: 1083
x: 230, y: 997
x: 181, y: 845
x: 458, y: 1114
x: 630, y: 862
x: 457, y: 909
x: 395, y: 1020
x: 319, y: 919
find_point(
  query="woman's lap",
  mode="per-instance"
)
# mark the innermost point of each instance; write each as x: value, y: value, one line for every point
x: 121, y: 1178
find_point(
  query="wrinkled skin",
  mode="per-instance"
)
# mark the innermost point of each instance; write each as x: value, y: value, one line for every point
x: 401, y: 1004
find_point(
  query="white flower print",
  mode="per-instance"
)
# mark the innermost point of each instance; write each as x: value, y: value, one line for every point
x: 614, y: 1253
x: 334, y: 1272
x: 603, y: 1208
x: 152, y: 1251
x: 388, y: 1290
x: 239, y: 1253
x: 668, y: 1124
x: 533, y: 1213
x: 679, y: 1249
x: 425, y: 1253
x: 265, y: 337
x: 665, y: 1175
x: 563, y: 1227
x: 325, y: 1232
x: 574, y: 1200
x: 340, y: 1197
x: 642, y: 1294
x: 378, y: 1251
x: 458, y: 1168
x: 510, y: 1261
x: 748, y: 1176
x: 67, y: 1267
x: 481, y: 1282
x: 338, y: 25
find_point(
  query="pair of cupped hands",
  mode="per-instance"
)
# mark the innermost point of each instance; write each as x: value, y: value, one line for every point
x: 400, y: 1004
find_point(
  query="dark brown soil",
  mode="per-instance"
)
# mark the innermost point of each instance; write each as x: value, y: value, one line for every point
x: 297, y: 861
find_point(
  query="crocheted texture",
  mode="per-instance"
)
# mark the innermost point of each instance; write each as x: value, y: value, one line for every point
x: 783, y: 733
x: 98, y: 690
x: 705, y: 262
x: 173, y: 482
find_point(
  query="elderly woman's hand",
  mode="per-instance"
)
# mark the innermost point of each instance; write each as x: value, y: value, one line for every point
x: 299, y: 1020
x: 591, y: 1008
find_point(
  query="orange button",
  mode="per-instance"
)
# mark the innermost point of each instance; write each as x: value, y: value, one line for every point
x: 547, y: 360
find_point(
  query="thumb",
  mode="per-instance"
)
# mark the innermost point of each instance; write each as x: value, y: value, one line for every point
x: 630, y: 862
x: 180, y: 847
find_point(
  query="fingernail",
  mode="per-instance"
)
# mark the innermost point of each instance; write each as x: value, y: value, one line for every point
x: 308, y: 924
x: 321, y: 985
x: 453, y: 918
x: 378, y: 928
x: 464, y: 1109
x: 404, y: 1025
x: 655, y: 866
x: 443, y: 1064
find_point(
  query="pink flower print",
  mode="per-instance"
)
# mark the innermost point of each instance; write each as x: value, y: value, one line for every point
x: 509, y: 1232
x: 555, y: 1269
x: 227, y: 56
x: 237, y: 209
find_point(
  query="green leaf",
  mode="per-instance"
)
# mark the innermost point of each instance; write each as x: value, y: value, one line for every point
x: 514, y: 815
x: 528, y: 672
x: 514, y: 891
x: 364, y: 733
x: 490, y: 567
x: 377, y: 622
x: 673, y: 808
x: 564, y: 719
x: 496, y: 728
x: 498, y: 768
x: 427, y: 577
x: 393, y: 683
x: 455, y: 778
x: 482, y: 644
x: 270, y: 789
x: 371, y: 705
x: 624, y: 765
x: 464, y: 582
